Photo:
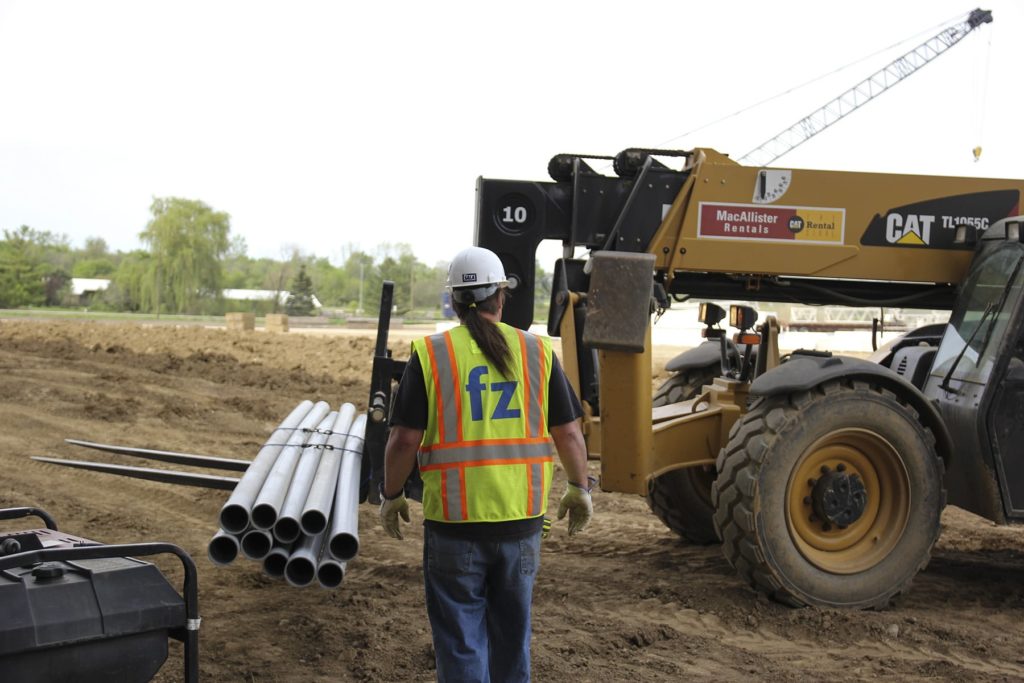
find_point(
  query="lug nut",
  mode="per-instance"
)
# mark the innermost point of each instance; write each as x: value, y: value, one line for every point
x: 824, y: 469
x: 841, y: 467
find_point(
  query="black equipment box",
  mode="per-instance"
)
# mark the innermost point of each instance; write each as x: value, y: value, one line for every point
x: 96, y: 616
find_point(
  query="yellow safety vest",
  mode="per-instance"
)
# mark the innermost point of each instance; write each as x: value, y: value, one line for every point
x: 486, y: 454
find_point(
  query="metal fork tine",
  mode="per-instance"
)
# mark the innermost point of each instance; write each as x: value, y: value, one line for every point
x: 208, y: 481
x: 168, y: 456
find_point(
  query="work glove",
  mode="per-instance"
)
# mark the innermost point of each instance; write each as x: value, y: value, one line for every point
x: 389, y: 512
x: 576, y: 501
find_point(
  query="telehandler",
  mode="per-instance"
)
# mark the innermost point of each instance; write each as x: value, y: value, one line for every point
x: 823, y: 476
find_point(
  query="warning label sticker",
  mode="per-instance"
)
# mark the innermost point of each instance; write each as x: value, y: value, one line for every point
x: 812, y: 225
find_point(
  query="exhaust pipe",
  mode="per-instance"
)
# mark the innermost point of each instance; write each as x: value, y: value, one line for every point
x: 275, y: 488
x: 344, y: 540
x: 236, y: 513
x: 321, y: 494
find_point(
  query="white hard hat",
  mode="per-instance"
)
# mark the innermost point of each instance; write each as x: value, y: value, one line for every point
x: 475, y: 274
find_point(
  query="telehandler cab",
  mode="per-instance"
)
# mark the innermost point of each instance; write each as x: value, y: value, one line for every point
x: 823, y: 476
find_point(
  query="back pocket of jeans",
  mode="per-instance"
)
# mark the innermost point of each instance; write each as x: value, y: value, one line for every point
x: 529, y: 555
x: 448, y: 555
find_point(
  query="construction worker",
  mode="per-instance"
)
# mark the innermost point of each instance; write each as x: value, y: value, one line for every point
x: 478, y: 408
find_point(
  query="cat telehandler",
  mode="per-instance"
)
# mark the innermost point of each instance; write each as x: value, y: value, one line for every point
x: 822, y: 476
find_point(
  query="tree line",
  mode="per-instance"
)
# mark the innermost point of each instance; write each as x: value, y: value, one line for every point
x: 190, y: 257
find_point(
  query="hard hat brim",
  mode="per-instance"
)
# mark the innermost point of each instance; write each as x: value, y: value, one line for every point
x: 471, y: 295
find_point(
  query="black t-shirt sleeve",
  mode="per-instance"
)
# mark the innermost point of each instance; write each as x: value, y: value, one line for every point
x: 410, y: 408
x: 563, y: 406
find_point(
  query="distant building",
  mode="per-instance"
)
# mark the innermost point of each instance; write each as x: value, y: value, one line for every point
x: 262, y: 295
x: 85, y: 288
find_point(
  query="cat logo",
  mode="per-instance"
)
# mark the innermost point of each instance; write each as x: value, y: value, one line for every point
x: 912, y: 229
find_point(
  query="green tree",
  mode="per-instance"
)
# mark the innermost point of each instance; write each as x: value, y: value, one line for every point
x: 362, y: 283
x: 95, y: 248
x: 93, y: 267
x: 300, y: 299
x: 187, y: 239
x: 132, y: 284
x: 33, y: 267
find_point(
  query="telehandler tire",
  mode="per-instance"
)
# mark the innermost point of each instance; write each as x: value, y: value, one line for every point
x: 682, y: 499
x: 829, y: 497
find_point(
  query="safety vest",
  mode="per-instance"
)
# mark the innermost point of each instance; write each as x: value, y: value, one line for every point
x: 486, y: 455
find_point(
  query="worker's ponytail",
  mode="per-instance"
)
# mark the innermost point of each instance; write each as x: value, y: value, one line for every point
x: 486, y: 334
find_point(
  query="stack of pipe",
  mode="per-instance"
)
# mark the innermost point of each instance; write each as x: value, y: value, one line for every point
x: 295, y: 510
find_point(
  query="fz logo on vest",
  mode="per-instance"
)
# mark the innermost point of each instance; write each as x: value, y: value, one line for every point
x: 475, y: 388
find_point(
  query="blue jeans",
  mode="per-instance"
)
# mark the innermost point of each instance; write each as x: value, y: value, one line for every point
x: 478, y: 602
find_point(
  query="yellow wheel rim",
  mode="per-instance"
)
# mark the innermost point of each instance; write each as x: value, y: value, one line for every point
x: 866, y: 456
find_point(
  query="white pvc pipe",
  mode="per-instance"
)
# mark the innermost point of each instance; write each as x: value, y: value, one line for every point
x: 344, y: 539
x: 256, y: 543
x: 235, y: 515
x: 317, y: 510
x: 301, y: 567
x: 275, y: 561
x: 330, y: 573
x: 286, y: 528
x: 222, y: 548
x: 275, y: 488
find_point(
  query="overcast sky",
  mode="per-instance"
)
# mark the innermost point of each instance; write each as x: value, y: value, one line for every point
x: 326, y: 125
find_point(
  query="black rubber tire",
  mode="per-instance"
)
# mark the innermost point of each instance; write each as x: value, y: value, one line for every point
x: 760, y: 482
x: 682, y: 499
x: 685, y: 385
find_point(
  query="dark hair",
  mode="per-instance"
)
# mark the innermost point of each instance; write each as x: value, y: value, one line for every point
x: 485, y: 333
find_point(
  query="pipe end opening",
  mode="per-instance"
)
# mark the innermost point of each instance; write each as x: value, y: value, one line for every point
x: 286, y: 530
x: 234, y: 518
x: 222, y: 549
x: 256, y: 544
x: 330, y: 575
x: 313, y: 522
x: 299, y: 572
x: 264, y: 516
x: 273, y: 565
x: 344, y: 547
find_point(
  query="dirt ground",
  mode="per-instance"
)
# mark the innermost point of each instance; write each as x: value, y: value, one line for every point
x: 626, y: 601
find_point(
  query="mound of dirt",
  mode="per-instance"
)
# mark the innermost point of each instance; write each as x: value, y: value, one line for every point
x: 625, y: 601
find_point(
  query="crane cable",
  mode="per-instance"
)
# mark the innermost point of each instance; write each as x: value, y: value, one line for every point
x: 793, y: 89
x: 984, y: 98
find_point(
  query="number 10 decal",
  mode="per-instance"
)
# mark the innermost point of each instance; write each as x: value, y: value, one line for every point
x: 514, y: 214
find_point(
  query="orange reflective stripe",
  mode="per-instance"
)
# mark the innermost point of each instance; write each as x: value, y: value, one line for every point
x: 455, y: 382
x: 426, y: 448
x: 527, y: 396
x: 483, y: 463
x: 437, y: 390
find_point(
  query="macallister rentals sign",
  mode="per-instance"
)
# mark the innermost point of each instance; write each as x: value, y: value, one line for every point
x: 757, y: 222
